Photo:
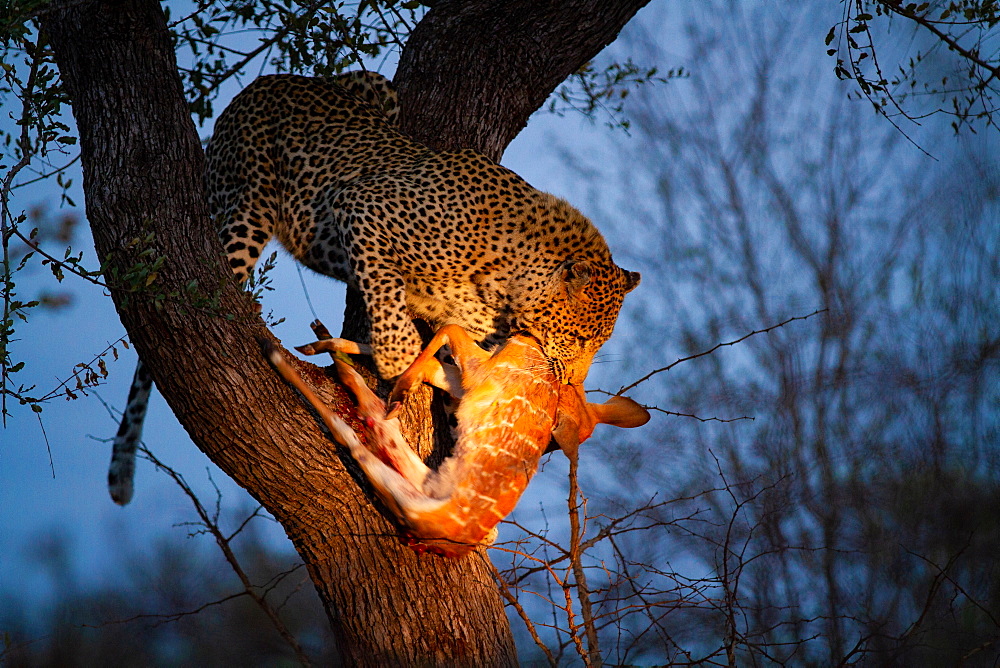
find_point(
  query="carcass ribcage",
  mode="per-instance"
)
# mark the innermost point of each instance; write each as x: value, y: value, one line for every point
x: 505, y: 421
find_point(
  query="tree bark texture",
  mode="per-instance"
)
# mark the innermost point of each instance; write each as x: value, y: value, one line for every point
x: 473, y: 71
x: 143, y: 164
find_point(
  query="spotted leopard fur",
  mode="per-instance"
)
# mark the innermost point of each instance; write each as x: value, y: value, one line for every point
x: 449, y: 237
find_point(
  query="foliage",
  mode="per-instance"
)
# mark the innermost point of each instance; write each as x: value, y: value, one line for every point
x: 296, y: 36
x: 40, y: 134
x: 591, y: 89
x: 955, y: 69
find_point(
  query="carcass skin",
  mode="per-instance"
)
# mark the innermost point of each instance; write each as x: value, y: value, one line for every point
x: 511, y: 406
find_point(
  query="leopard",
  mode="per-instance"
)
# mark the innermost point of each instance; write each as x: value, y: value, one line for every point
x: 447, y: 237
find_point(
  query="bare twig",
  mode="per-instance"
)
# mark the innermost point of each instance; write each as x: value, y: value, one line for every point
x: 47, y: 175
x: 505, y: 592
x: 670, y: 366
x: 592, y: 657
x: 223, y: 542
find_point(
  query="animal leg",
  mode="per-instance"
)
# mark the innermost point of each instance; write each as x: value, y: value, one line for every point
x: 395, y: 472
x: 398, y: 476
x: 395, y: 340
x: 328, y: 344
x: 427, y: 368
x: 334, y: 346
x: 398, y: 482
x: 341, y: 431
x: 386, y: 436
x: 443, y: 376
x: 244, y: 230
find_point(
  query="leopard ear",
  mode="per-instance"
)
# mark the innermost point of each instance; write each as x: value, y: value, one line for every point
x: 632, y: 279
x: 576, y: 276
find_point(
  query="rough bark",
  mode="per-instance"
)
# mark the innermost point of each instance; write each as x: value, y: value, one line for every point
x: 143, y: 165
x: 473, y: 71
x: 142, y: 172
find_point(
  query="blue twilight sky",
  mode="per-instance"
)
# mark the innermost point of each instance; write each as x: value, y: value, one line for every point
x: 60, y: 488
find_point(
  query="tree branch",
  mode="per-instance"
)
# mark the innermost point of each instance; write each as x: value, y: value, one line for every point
x: 626, y: 388
x: 449, y: 73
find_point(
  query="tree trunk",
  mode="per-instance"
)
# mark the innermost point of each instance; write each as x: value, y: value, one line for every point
x: 143, y: 164
x: 473, y: 71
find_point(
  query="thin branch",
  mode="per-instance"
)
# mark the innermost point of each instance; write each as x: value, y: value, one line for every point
x: 698, y: 417
x: 952, y: 43
x: 943, y: 572
x: 33, y: 245
x: 670, y: 366
x: 47, y: 175
x: 575, y: 503
x: 169, y: 617
x: 504, y: 590
x: 675, y: 413
x: 48, y: 447
x: 56, y: 391
x: 224, y: 544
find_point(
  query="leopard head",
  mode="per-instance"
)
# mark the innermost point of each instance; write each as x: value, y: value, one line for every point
x: 574, y: 313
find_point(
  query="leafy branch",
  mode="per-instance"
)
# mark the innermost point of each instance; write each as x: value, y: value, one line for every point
x: 964, y: 27
x: 316, y: 38
x: 590, y: 89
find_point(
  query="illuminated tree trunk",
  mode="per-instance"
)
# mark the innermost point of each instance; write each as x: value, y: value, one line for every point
x: 143, y: 164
